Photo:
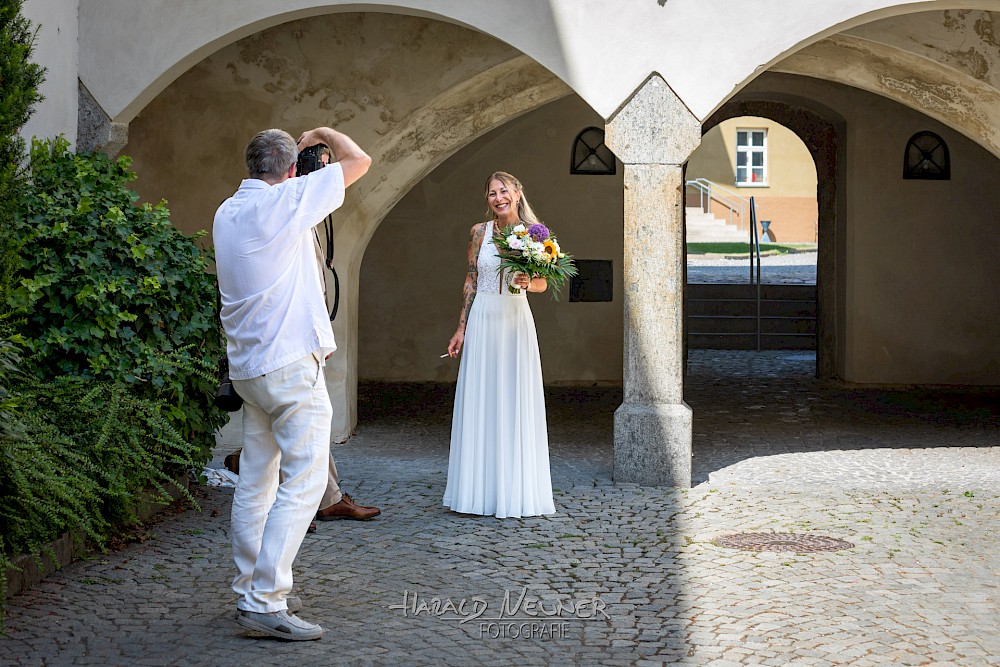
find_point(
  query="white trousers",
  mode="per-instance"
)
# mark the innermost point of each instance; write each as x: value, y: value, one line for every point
x: 286, y: 435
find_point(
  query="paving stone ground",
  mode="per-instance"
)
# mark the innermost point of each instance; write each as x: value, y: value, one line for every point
x: 911, y: 479
x: 789, y: 269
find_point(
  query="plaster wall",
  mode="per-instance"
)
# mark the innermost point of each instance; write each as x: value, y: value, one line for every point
x: 942, y: 63
x: 364, y: 74
x: 414, y: 267
x: 56, y: 50
x: 793, y: 219
x: 924, y: 301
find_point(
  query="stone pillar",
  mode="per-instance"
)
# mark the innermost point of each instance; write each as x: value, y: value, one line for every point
x: 342, y: 367
x: 95, y: 130
x: 653, y: 134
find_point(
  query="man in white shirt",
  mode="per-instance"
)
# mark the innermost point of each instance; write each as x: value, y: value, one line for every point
x: 278, y: 338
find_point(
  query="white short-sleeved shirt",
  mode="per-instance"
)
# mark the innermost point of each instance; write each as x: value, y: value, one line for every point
x: 273, y: 306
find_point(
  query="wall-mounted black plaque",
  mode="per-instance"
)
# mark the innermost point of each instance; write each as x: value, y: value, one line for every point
x: 594, y: 282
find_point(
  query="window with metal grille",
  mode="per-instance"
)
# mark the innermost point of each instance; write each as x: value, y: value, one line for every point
x: 590, y: 155
x: 926, y: 158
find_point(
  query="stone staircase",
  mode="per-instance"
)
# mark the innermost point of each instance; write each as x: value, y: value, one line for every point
x: 723, y: 317
x: 706, y: 228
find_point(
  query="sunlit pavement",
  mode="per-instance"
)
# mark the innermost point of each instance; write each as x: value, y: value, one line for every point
x: 910, y: 480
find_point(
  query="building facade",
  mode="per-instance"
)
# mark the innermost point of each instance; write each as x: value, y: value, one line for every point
x: 751, y: 157
x: 441, y: 93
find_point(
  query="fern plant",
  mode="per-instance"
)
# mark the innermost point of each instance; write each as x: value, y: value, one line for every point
x: 81, y: 455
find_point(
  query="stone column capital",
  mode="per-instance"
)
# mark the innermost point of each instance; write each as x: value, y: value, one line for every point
x: 653, y: 127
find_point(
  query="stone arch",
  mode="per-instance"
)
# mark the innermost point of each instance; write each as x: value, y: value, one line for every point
x: 410, y: 152
x: 822, y: 131
x: 407, y: 100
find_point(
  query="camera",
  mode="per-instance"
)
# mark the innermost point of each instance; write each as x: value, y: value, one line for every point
x: 311, y: 159
x: 226, y: 397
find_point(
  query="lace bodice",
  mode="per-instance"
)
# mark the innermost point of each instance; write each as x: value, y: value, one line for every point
x: 490, y: 281
x: 489, y: 262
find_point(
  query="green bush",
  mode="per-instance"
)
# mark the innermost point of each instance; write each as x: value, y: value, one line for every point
x: 106, y: 362
x: 19, y: 81
x: 106, y: 388
x: 112, y: 291
x: 9, y: 404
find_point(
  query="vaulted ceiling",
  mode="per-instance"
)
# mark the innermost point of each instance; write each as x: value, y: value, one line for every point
x: 945, y: 64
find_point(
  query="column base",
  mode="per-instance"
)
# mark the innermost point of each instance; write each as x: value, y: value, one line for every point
x: 653, y: 444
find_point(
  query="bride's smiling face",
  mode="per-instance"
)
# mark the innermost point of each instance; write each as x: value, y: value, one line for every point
x: 502, y: 200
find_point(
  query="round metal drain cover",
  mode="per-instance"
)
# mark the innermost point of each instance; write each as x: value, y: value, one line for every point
x: 781, y: 542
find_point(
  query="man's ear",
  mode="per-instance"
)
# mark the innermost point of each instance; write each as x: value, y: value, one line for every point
x: 293, y: 170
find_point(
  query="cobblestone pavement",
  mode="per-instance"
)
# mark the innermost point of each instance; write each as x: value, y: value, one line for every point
x: 912, y: 480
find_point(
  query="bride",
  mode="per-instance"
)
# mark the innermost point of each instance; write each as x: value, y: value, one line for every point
x: 499, y: 462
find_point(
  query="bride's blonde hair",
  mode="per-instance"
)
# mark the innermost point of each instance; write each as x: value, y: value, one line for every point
x: 524, y: 210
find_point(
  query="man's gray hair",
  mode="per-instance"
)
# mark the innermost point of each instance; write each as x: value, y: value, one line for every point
x: 271, y: 153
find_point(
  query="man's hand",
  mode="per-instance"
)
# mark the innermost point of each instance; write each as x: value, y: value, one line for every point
x: 353, y: 161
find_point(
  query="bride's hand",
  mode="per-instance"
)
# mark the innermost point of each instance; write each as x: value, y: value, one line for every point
x: 455, y: 344
x: 521, y: 280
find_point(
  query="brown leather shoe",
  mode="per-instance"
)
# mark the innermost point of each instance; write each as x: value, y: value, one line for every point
x: 310, y: 529
x: 348, y: 509
x: 232, y: 462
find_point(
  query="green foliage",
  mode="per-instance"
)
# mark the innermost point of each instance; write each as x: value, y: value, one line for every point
x: 79, y: 456
x: 112, y: 290
x: 112, y: 297
x: 730, y: 248
x: 9, y: 359
x: 19, y: 82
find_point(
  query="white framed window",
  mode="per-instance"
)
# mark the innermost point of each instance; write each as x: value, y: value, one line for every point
x: 751, y: 158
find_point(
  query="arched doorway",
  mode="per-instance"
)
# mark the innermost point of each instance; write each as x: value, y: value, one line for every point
x: 751, y: 217
x: 820, y: 134
x: 414, y: 267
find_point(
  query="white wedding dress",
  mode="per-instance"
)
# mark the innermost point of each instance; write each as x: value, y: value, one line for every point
x: 499, y: 462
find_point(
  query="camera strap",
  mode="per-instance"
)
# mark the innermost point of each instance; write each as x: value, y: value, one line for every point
x: 328, y: 261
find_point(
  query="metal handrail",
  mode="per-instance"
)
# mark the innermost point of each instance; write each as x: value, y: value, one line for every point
x: 755, y: 249
x: 708, y: 191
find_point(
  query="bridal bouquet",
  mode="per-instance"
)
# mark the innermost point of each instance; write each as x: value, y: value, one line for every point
x: 534, y: 250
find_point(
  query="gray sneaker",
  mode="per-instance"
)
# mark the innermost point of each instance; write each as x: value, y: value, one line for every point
x: 280, y: 624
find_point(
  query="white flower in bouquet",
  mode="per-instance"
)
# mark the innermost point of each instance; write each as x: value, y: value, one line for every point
x: 515, y: 242
x: 518, y: 229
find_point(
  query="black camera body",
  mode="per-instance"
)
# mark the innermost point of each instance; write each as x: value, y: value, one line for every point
x: 310, y: 159
x: 226, y: 397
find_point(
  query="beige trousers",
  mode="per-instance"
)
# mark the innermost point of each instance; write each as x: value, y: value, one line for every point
x: 332, y: 495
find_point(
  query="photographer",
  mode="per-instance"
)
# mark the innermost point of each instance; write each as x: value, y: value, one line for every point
x: 278, y: 338
x: 335, y: 504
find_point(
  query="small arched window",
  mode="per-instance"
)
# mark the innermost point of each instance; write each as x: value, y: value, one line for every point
x: 590, y: 155
x: 926, y: 158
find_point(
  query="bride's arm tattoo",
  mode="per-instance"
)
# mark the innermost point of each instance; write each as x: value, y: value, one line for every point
x: 472, y: 275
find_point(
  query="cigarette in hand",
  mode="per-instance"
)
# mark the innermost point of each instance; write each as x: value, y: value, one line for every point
x: 444, y: 355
